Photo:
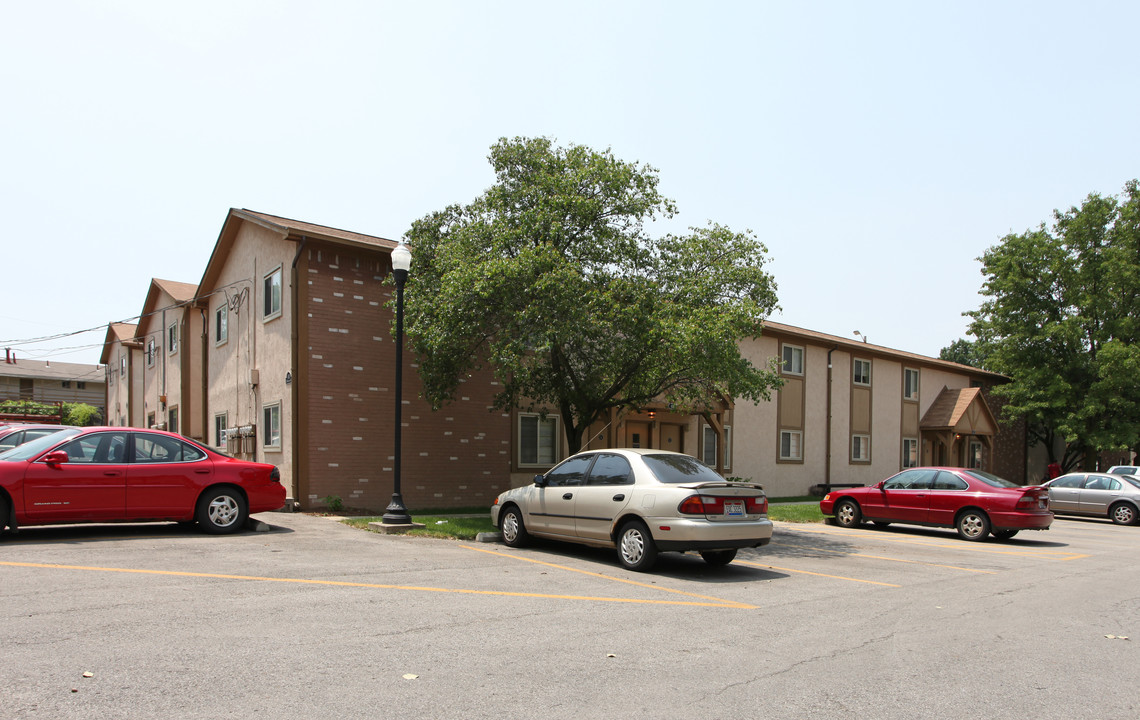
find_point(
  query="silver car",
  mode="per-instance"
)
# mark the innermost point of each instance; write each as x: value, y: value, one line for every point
x: 1124, y: 469
x: 640, y: 502
x: 1116, y: 497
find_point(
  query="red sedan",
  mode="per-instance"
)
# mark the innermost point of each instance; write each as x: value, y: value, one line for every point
x: 115, y: 474
x: 975, y: 503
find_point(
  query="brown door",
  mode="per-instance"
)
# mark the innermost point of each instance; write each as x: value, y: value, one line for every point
x: 637, y: 435
x: 671, y: 438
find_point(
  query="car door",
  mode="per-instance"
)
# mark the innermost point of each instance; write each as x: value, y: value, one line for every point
x: 551, y: 509
x: 946, y: 498
x: 164, y: 477
x: 904, y: 497
x: 1098, y: 493
x: 88, y: 486
x: 1065, y: 493
x: 601, y: 499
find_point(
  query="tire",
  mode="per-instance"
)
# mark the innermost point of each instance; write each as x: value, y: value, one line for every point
x: 719, y: 558
x: 848, y: 514
x: 4, y: 512
x: 222, y: 510
x: 635, y: 548
x: 1123, y: 514
x: 881, y: 523
x: 973, y: 525
x: 512, y: 529
x: 1004, y: 534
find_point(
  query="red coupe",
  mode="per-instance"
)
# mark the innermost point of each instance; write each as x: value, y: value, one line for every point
x: 115, y: 474
x: 975, y: 503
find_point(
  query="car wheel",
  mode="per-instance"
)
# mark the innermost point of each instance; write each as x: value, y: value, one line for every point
x: 222, y: 510
x: 847, y: 513
x: 4, y: 510
x: 1004, y: 534
x: 973, y: 525
x: 512, y: 529
x: 719, y: 558
x: 1123, y: 514
x: 635, y: 547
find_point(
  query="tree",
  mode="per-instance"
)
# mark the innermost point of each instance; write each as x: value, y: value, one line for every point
x: 1061, y: 320
x: 963, y: 352
x: 550, y: 279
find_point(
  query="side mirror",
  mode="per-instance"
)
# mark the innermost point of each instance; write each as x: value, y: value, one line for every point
x: 879, y: 485
x: 56, y: 458
x: 540, y: 480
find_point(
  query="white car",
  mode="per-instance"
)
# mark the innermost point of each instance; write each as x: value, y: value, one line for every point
x: 640, y: 502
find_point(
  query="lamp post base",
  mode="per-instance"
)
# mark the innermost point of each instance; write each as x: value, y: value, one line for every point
x: 396, y: 513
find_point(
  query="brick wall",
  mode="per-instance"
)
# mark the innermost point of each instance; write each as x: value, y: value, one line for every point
x: 457, y: 456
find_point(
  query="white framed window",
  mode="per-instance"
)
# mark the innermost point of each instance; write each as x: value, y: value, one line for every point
x: 221, y: 422
x: 709, y: 446
x: 221, y: 324
x: 122, y: 366
x: 910, y: 384
x: 172, y: 420
x: 172, y: 338
x: 271, y: 425
x: 791, y: 442
x: 910, y: 452
x: 862, y: 372
x: 150, y: 352
x: 860, y: 448
x: 538, y: 440
x: 150, y: 420
x: 271, y: 290
x: 793, y: 356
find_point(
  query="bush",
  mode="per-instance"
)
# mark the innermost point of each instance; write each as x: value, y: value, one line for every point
x: 80, y: 414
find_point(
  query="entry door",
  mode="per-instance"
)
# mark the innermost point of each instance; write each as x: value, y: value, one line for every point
x: 671, y: 438
x: 637, y: 435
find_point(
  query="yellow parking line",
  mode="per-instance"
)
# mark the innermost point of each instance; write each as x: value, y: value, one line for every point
x: 805, y: 572
x: 901, y: 560
x: 339, y: 583
x: 956, y: 545
x: 716, y: 601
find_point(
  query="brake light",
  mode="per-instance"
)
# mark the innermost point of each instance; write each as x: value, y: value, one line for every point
x: 714, y: 505
x: 275, y: 474
x: 756, y: 505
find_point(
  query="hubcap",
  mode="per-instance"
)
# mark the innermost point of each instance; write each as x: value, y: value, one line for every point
x: 972, y: 526
x: 1124, y: 514
x: 510, y: 527
x: 223, y: 511
x: 632, y: 546
x: 846, y: 514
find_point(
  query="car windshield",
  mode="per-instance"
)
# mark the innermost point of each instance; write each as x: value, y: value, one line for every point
x: 680, y: 469
x: 990, y: 479
x: 34, y: 447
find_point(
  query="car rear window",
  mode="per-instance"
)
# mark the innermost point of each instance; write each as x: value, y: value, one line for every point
x: 680, y: 469
x: 991, y: 479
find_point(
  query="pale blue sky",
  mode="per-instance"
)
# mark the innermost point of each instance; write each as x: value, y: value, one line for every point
x: 877, y: 148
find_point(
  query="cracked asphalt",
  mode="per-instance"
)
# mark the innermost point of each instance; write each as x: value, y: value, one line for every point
x: 318, y: 620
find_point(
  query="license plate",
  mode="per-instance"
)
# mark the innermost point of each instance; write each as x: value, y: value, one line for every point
x: 733, y: 508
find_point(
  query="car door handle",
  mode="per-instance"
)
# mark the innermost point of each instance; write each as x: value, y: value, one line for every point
x: 567, y: 496
x: 202, y: 472
x: 619, y: 497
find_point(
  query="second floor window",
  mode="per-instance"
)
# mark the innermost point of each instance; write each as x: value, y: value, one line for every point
x: 150, y: 352
x: 172, y: 338
x: 862, y: 375
x: 910, y: 383
x: 221, y: 324
x: 793, y: 360
x: 272, y: 292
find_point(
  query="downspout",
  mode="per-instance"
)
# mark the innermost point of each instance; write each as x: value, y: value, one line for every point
x: 827, y: 441
x: 205, y: 379
x: 161, y: 419
x: 298, y: 413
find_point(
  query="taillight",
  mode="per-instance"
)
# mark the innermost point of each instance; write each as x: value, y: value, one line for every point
x: 756, y: 505
x: 275, y: 474
x: 714, y: 505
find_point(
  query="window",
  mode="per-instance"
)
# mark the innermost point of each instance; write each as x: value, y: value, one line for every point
x: 708, y: 448
x: 122, y: 365
x: 975, y: 459
x: 221, y: 420
x: 271, y: 289
x: 80, y: 385
x: 862, y: 374
x: 790, y: 441
x: 172, y: 338
x: 162, y: 449
x: 569, y: 472
x: 538, y: 440
x: 271, y: 432
x: 793, y: 360
x: 949, y: 481
x: 150, y: 352
x: 1068, y: 481
x: 910, y: 384
x: 67, y: 383
x: 610, y: 470
x: 150, y: 420
x: 910, y: 452
x: 911, y: 480
x: 860, y: 448
x: 172, y: 420
x: 221, y: 324
x: 97, y: 448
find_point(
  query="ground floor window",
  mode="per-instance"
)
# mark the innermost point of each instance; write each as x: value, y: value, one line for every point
x: 220, y: 424
x: 538, y: 439
x: 172, y: 420
x: 709, y: 446
x: 974, y: 460
x: 909, y: 452
x: 860, y: 448
x: 790, y: 445
x: 271, y: 426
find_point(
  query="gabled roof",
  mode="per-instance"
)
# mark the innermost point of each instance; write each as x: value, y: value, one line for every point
x: 961, y: 409
x: 181, y: 293
x: 857, y: 346
x: 288, y: 230
x: 116, y: 332
x: 47, y: 370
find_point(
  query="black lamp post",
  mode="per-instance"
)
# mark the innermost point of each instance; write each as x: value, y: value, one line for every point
x: 396, y: 513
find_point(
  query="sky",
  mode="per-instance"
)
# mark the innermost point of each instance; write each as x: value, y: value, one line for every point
x: 876, y: 148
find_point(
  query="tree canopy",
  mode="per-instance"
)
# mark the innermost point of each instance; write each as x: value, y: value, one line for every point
x: 551, y: 279
x: 1061, y: 318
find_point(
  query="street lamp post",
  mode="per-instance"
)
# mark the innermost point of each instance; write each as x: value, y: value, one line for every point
x: 396, y: 513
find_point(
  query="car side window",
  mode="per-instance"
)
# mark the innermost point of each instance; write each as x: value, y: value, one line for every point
x: 910, y: 480
x: 1099, y: 482
x: 610, y: 470
x: 949, y: 481
x: 162, y: 449
x: 12, y: 440
x: 569, y: 472
x: 1068, y: 481
x: 99, y: 448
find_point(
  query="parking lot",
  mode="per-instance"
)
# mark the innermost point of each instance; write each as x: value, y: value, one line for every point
x: 316, y: 619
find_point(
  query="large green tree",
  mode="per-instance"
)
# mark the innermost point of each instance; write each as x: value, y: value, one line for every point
x: 1061, y: 319
x: 551, y: 279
